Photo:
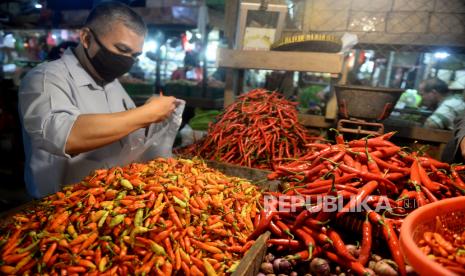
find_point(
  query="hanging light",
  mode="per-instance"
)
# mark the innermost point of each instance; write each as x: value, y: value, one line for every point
x: 441, y: 55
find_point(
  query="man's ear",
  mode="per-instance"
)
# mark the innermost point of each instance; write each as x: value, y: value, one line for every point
x: 84, y: 37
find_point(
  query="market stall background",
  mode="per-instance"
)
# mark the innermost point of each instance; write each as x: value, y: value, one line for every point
x: 400, y: 44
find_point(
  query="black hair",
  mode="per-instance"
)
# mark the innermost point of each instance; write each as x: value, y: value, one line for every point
x: 436, y: 84
x: 102, y: 15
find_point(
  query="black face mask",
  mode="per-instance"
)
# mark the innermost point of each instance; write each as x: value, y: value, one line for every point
x: 109, y: 65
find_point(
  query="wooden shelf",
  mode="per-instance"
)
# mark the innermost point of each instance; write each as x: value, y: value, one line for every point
x: 421, y: 133
x: 278, y: 60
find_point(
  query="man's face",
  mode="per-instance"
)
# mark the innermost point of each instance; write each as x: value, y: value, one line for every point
x: 429, y: 98
x: 120, y: 40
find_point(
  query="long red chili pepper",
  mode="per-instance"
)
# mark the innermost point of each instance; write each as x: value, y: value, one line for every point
x: 318, y: 236
x: 265, y: 218
x: 372, y: 142
x: 365, y: 191
x: 324, y: 214
x: 339, y: 245
x: 275, y: 229
x: 285, y: 242
x: 458, y: 182
x: 425, y: 180
x: 370, y: 176
x: 308, y: 240
x: 391, y: 238
x: 284, y: 228
x: 365, y: 250
x: 353, y: 265
x: 431, y: 197
x: 261, y: 129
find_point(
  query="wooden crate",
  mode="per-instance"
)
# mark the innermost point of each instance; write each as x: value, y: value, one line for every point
x: 250, y: 264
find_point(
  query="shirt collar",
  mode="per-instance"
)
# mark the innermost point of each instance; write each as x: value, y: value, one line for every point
x: 78, y: 73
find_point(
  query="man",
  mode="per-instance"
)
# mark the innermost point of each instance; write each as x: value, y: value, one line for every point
x: 447, y: 107
x: 76, y: 115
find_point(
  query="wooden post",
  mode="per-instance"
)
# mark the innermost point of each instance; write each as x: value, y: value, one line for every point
x: 231, y: 9
x: 331, y: 106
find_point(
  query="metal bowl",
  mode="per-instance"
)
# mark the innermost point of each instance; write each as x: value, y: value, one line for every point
x: 366, y: 103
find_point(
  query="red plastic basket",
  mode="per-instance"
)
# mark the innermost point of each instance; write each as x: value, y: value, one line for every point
x: 452, y: 214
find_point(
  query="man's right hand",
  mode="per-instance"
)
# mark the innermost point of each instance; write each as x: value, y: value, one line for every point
x: 91, y: 131
x: 159, y: 108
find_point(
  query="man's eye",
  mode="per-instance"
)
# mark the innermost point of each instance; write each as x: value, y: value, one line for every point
x: 123, y: 50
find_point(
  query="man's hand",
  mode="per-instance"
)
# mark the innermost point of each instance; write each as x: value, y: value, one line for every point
x: 91, y: 131
x: 159, y: 108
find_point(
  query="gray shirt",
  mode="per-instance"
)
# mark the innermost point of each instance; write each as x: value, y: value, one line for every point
x: 51, y: 97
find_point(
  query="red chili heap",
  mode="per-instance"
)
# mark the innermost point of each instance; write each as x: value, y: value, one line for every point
x: 259, y: 130
x: 365, y: 172
x: 161, y: 218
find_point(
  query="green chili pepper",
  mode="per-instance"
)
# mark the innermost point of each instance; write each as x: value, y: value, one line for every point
x: 233, y: 267
x: 31, y: 246
x: 107, y: 205
x: 121, y: 195
x: 109, y: 249
x: 138, y: 217
x: 3, y: 241
x: 124, y: 233
x: 234, y: 224
x: 126, y: 184
x: 137, y: 230
x: 103, y: 218
x: 203, y: 217
x: 180, y: 202
x: 157, y: 249
x: 117, y: 220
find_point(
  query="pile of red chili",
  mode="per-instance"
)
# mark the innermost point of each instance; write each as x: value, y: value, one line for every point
x: 359, y: 173
x: 164, y: 217
x: 260, y: 130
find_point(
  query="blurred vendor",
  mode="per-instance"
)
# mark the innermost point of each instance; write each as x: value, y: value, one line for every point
x: 58, y: 51
x: 191, y: 69
x: 446, y: 106
x: 76, y: 115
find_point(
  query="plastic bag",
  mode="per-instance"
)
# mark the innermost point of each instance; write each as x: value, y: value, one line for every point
x: 189, y: 136
x: 159, y: 141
